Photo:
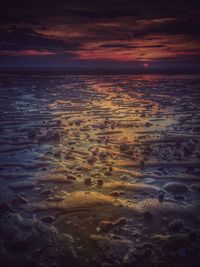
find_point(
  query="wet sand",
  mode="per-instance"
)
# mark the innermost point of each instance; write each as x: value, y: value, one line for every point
x: 99, y: 170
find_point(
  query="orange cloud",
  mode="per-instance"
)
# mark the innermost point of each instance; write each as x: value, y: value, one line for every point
x: 26, y: 53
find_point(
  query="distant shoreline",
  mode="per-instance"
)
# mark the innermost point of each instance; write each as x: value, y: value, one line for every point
x: 90, y: 71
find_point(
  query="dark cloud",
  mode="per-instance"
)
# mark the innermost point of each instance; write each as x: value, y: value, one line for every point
x: 128, y: 46
x: 76, y: 28
x: 59, y: 60
x: 171, y: 27
x: 24, y: 38
x: 97, y: 9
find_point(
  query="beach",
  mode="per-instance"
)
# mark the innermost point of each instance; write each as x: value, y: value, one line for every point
x: 99, y: 170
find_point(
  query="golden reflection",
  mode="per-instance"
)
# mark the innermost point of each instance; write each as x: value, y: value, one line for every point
x: 93, y: 130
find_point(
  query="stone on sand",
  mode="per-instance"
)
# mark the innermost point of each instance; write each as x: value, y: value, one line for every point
x: 48, y: 219
x: 176, y: 225
x: 196, y: 187
x: 176, y: 188
x: 19, y: 200
x: 108, y: 225
x: 23, y: 185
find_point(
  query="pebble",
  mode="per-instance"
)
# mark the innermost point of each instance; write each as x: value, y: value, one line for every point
x: 48, y: 219
x: 71, y: 177
x: 19, y: 244
x: 49, y: 136
x: 103, y: 155
x: 148, y: 216
x: 124, y: 178
x: 120, y: 221
x: 149, y: 181
x: 176, y: 188
x: 4, y: 208
x: 196, y: 187
x: 110, y: 168
x: 124, y: 147
x: 108, y: 225
x: 22, y: 185
x: 47, y: 192
x: 116, y: 193
x: 193, y: 235
x: 176, y: 225
x: 32, y: 133
x: 107, y: 173
x: 100, y: 182
x: 91, y: 160
x: 19, y: 200
x: 105, y: 264
x: 161, y: 196
x: 105, y: 225
x: 88, y: 181
x: 95, y: 151
x: 69, y: 181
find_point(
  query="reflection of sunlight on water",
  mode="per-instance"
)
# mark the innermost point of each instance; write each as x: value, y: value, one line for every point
x: 109, y: 116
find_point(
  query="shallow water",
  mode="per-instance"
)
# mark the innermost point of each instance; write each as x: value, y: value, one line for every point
x: 94, y: 154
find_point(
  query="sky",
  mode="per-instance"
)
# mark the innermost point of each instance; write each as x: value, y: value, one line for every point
x: 100, y: 33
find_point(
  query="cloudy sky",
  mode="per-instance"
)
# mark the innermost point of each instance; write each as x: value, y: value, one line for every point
x: 100, y: 33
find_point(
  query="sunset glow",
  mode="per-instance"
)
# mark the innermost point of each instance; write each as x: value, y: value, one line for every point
x: 80, y: 33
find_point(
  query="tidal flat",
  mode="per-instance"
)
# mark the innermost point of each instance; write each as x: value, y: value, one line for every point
x: 99, y: 170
